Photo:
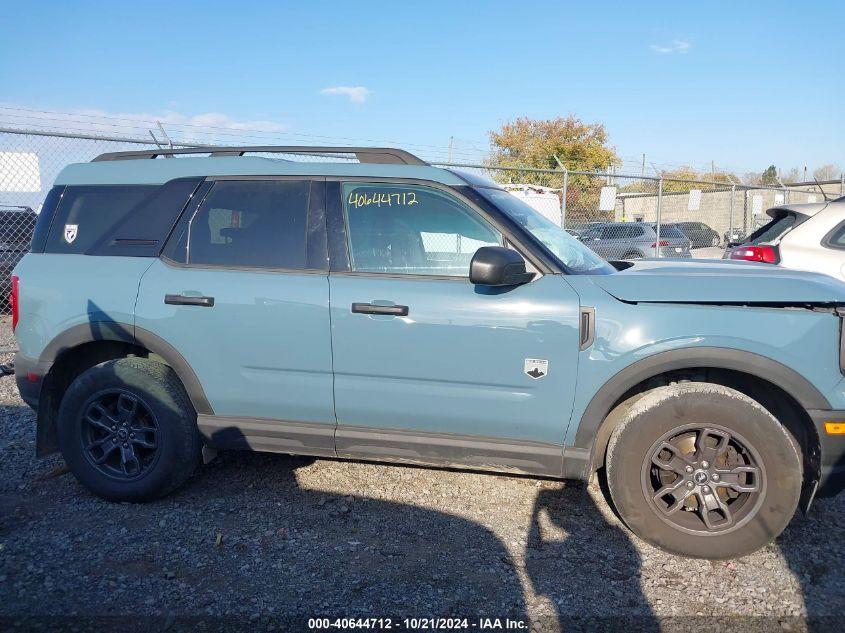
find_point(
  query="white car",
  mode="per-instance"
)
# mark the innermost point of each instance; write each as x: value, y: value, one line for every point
x: 800, y: 236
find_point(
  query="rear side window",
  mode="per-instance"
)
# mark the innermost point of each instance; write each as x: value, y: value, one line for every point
x: 836, y: 238
x: 87, y: 213
x: 773, y: 230
x: 670, y: 231
x: 251, y: 223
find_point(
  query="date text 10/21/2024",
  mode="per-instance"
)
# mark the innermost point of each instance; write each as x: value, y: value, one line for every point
x: 420, y: 624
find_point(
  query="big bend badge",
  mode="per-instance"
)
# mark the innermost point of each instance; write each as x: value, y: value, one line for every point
x: 536, y: 368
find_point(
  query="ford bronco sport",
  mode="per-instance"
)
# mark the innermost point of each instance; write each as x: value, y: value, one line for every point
x: 389, y: 310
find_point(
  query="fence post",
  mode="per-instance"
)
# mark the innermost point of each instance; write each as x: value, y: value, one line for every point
x: 731, y: 216
x: 657, y: 219
x: 563, y: 201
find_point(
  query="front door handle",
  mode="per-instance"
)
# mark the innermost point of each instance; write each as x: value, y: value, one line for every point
x: 372, y: 308
x: 187, y: 300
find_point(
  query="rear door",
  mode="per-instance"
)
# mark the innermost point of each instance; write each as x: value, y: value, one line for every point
x: 242, y: 294
x: 429, y: 367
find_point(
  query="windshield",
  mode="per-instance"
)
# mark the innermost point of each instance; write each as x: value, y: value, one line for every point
x: 572, y: 254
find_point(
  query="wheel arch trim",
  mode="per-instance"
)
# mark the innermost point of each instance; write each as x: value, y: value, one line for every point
x: 583, y: 452
x: 125, y: 333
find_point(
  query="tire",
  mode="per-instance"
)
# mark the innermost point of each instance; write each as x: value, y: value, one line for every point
x: 632, y: 255
x: 128, y: 430
x: 681, y: 415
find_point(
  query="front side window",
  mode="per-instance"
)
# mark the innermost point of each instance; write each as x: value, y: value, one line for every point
x: 571, y: 253
x: 412, y: 229
x: 251, y: 223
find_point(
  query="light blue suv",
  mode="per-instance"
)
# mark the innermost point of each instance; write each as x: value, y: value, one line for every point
x: 389, y: 310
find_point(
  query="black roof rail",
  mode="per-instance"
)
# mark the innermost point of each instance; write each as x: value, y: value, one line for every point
x: 380, y: 155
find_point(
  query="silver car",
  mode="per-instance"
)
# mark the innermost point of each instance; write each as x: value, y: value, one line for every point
x: 635, y: 240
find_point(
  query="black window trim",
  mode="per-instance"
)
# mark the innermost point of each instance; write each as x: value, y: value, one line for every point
x: 41, y: 247
x: 827, y: 240
x: 340, y: 267
x: 192, y: 208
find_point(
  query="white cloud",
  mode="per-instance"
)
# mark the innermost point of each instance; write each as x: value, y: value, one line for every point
x: 356, y: 94
x: 677, y: 46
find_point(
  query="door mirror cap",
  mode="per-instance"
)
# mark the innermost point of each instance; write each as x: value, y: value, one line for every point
x: 498, y: 266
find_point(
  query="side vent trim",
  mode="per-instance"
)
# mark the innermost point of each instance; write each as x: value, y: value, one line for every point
x: 587, y: 326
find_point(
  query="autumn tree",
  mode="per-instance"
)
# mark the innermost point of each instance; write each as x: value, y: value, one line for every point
x: 539, y: 144
x: 535, y: 143
x: 678, y: 180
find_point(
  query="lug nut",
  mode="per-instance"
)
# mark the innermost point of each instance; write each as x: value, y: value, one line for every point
x: 706, y: 489
x: 133, y: 435
x: 114, y: 439
x: 690, y: 484
x: 125, y: 445
x: 715, y: 476
x: 688, y: 469
x: 705, y: 464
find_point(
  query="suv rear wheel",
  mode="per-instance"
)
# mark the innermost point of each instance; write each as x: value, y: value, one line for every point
x: 703, y: 470
x: 128, y: 431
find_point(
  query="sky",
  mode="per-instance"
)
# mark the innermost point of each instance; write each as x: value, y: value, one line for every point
x: 743, y: 84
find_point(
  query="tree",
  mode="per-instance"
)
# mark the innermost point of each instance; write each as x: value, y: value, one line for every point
x: 826, y: 172
x: 579, y: 146
x: 793, y: 175
x: 535, y: 143
x: 769, y: 176
x: 673, y: 180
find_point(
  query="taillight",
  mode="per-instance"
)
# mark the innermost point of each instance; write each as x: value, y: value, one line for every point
x: 660, y: 243
x: 14, y: 300
x: 765, y: 254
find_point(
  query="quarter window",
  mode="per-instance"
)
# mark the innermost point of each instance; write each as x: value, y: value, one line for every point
x: 836, y: 238
x: 412, y: 229
x: 251, y: 223
x: 86, y: 213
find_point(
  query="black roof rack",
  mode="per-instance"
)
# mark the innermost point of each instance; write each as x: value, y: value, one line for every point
x: 381, y: 155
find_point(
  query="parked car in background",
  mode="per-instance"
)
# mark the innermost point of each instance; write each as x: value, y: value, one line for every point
x: 16, y: 226
x: 800, y: 236
x: 734, y: 236
x: 390, y: 310
x: 579, y: 229
x: 635, y: 240
x: 699, y: 234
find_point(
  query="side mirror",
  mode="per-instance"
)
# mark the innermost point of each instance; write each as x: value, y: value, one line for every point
x: 498, y: 266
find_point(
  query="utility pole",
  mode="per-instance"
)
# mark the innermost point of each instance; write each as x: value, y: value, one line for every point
x: 712, y: 170
x: 451, y: 139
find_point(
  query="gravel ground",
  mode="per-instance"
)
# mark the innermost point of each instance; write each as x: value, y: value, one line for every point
x: 265, y: 541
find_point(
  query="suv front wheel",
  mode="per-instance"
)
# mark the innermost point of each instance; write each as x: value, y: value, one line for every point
x: 703, y: 470
x: 128, y: 431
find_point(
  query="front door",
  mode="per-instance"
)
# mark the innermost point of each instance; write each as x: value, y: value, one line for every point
x: 429, y: 367
x: 243, y: 297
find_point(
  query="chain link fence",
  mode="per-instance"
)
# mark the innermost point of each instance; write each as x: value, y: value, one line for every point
x: 618, y: 216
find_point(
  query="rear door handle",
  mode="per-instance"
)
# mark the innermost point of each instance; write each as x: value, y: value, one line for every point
x: 372, y: 308
x: 186, y: 300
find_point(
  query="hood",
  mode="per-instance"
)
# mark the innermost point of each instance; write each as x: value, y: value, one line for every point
x: 719, y: 281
